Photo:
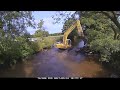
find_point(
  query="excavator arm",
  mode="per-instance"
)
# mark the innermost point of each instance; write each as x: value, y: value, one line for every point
x: 65, y: 44
x: 79, y: 28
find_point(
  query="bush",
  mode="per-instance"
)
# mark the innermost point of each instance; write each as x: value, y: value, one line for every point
x: 48, y: 42
x: 14, y: 50
x: 9, y: 51
x: 35, y: 47
x: 108, y: 48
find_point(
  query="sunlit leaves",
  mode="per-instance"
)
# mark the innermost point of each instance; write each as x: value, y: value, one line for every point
x: 16, y: 22
x: 61, y: 16
x: 41, y: 30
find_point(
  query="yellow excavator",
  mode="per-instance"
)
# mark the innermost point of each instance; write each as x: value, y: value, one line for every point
x: 67, y: 42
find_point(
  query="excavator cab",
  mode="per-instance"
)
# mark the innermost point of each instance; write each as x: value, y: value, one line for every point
x: 62, y: 46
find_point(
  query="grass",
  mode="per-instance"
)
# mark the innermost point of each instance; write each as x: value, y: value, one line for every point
x: 47, y: 42
x: 55, y: 38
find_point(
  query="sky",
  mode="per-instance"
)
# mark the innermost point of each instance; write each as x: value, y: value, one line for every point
x: 48, y: 21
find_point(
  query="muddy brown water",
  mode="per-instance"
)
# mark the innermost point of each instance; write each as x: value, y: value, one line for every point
x: 57, y: 63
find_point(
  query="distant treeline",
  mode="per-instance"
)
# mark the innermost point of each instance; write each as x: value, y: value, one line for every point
x: 55, y: 34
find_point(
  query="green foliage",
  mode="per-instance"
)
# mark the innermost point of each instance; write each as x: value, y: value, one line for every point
x: 12, y: 51
x: 38, y: 33
x: 101, y: 31
x: 56, y: 38
x: 94, y: 34
x: 109, y: 51
x: 55, y: 34
x: 41, y: 30
x: 105, y: 46
x: 41, y: 33
x: 40, y: 25
x: 9, y: 51
x: 14, y: 23
x: 14, y: 43
x: 48, y: 42
x: 35, y: 47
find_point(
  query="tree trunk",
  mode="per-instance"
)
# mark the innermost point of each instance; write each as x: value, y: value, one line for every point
x: 115, y: 32
x: 114, y: 19
x: 118, y: 36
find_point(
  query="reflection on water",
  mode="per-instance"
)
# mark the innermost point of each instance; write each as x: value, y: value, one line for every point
x: 57, y: 63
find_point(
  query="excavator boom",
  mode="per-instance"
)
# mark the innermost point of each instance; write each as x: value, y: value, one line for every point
x: 65, y: 43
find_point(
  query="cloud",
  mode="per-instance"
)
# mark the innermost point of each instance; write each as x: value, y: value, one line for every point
x: 50, y: 27
x: 37, y: 21
x: 48, y: 22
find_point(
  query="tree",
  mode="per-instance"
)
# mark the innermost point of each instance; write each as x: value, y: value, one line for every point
x: 14, y: 23
x: 102, y: 33
x: 40, y: 25
x: 45, y: 33
x: 102, y: 29
x: 111, y: 15
x: 55, y: 34
x: 14, y: 43
x: 38, y: 33
x: 41, y: 30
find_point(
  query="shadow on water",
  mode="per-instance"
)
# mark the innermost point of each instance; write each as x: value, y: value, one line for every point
x: 20, y: 70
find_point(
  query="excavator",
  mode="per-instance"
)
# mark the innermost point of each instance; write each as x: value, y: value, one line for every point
x: 66, y: 44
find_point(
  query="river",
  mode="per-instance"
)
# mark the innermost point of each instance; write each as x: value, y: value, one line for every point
x: 57, y: 63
